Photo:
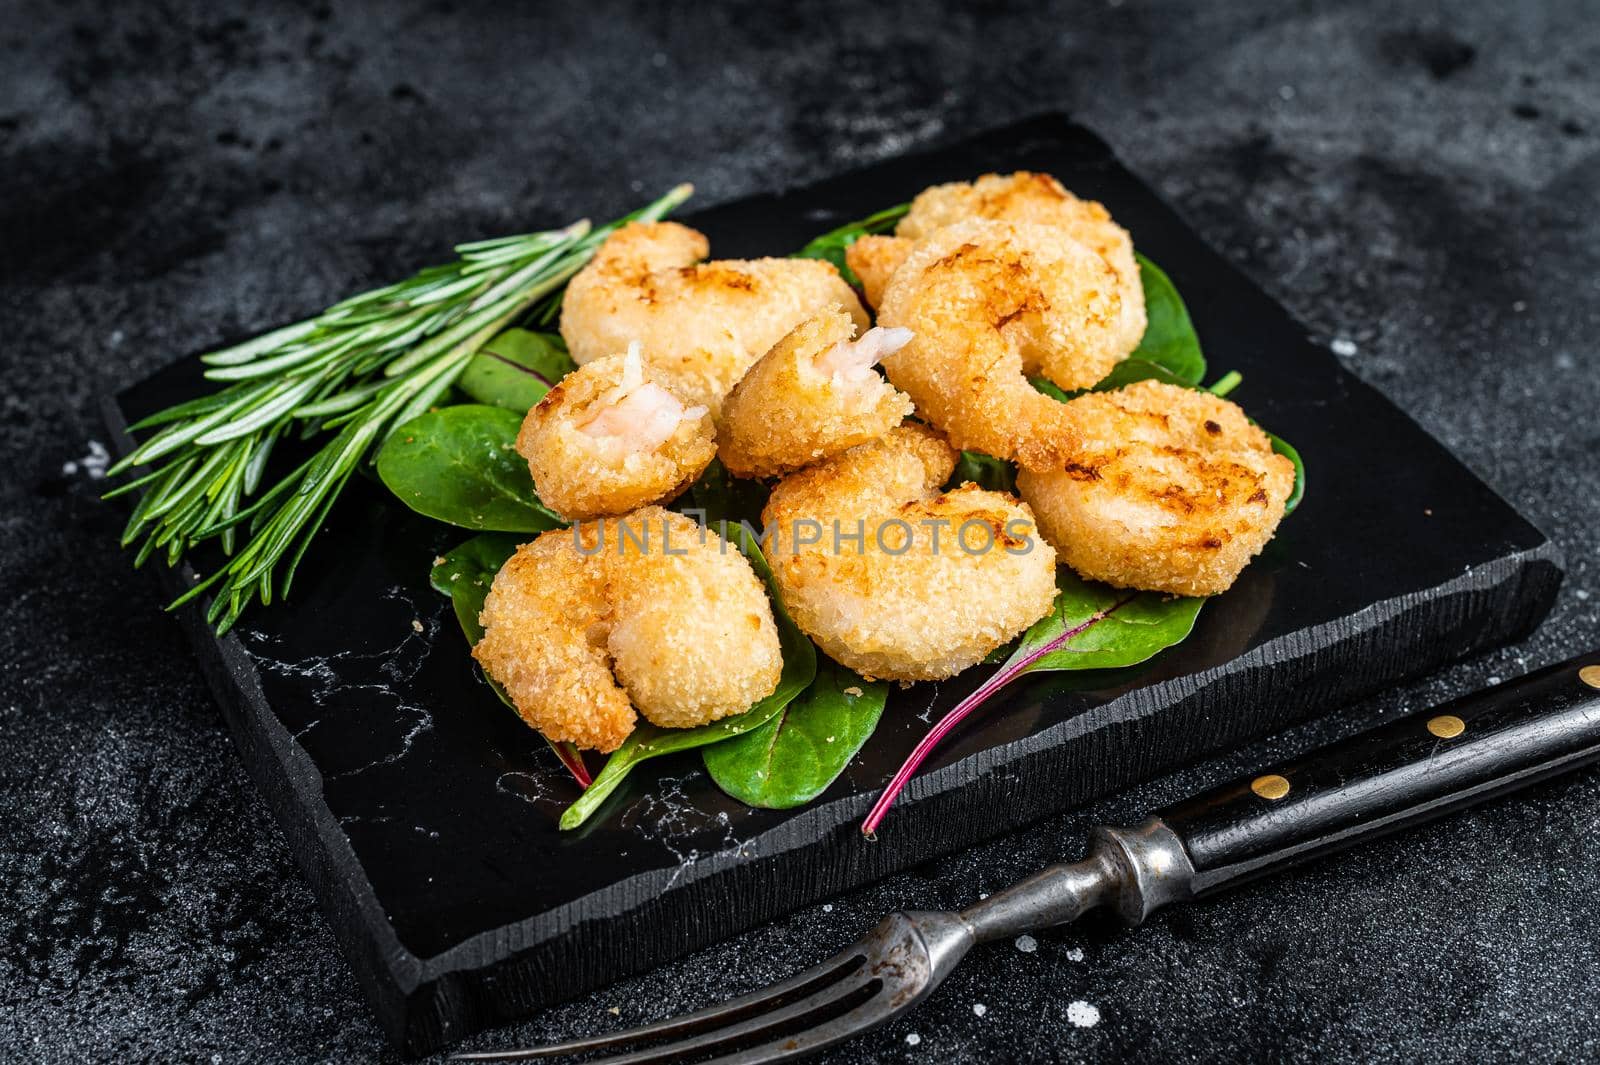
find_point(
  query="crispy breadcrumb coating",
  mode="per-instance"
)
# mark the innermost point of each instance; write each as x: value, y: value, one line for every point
x: 935, y: 580
x: 606, y: 440
x: 813, y: 395
x: 873, y: 259
x: 694, y: 639
x: 1039, y: 199
x: 701, y: 325
x: 653, y: 612
x: 545, y: 622
x: 1170, y: 490
x: 989, y: 304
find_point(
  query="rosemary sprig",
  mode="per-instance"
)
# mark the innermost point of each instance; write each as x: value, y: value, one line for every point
x: 358, y: 370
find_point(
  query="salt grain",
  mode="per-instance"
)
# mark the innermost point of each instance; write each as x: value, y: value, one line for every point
x: 1343, y: 347
x: 979, y: 1008
x: 1082, y: 1015
x: 912, y: 1039
x: 1027, y: 944
x: 1075, y: 954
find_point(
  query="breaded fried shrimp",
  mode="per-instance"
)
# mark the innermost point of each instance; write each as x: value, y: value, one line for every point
x: 702, y: 324
x: 895, y: 579
x: 1038, y: 199
x: 1170, y: 490
x: 693, y: 639
x: 651, y: 612
x: 990, y: 303
x: 545, y: 622
x: 873, y: 259
x: 813, y: 395
x: 605, y: 440
x: 1041, y: 200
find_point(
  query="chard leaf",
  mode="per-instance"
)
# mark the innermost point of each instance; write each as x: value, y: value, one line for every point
x: 515, y: 369
x: 793, y: 758
x: 465, y: 574
x: 460, y: 465
x: 831, y: 245
x: 1091, y: 626
x: 1095, y: 626
x: 650, y: 741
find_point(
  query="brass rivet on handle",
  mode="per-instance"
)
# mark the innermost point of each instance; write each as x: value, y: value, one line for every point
x: 1590, y: 675
x: 1271, y: 786
x: 1446, y: 726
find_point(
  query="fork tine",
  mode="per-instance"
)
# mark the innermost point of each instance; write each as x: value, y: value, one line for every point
x: 816, y: 1009
x: 801, y: 986
x: 863, y: 1017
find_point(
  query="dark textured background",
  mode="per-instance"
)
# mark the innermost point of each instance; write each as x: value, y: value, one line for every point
x: 1419, y: 185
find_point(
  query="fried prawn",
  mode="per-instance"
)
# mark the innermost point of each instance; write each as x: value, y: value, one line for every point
x: 607, y: 440
x: 1169, y: 490
x: 815, y: 394
x: 702, y: 323
x: 651, y: 611
x: 989, y: 304
x: 896, y: 579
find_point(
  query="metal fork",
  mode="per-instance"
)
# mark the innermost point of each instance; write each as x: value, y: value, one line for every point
x: 1401, y: 774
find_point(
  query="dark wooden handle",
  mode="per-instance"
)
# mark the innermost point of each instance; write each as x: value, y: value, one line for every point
x: 1397, y: 775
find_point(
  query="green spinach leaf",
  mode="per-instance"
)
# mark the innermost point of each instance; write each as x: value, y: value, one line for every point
x: 831, y: 245
x: 1169, y: 341
x: 460, y: 465
x: 515, y: 369
x: 719, y: 496
x: 465, y: 574
x: 985, y: 471
x: 649, y: 741
x: 793, y: 758
x: 1287, y: 450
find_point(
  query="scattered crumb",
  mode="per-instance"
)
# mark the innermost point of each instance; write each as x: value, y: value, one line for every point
x: 1075, y: 954
x: 1343, y: 347
x: 93, y: 465
x: 1494, y: 680
x: 912, y: 1039
x: 438, y: 560
x: 827, y: 907
x: 979, y: 1008
x: 854, y: 692
x: 1027, y: 944
x: 1082, y: 1015
x: 1581, y: 594
x: 615, y: 1011
x: 1428, y: 511
x: 416, y: 625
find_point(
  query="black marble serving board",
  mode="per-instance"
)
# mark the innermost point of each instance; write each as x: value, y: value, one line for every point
x: 423, y: 812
